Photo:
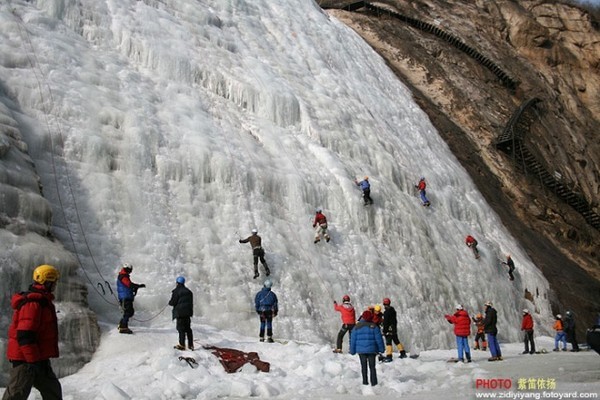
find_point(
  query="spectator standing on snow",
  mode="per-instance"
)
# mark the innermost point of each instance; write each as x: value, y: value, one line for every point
x: 348, y: 320
x: 491, y: 330
x: 462, y: 330
x: 33, y: 339
x: 527, y: 328
x: 182, y: 301
x: 367, y: 342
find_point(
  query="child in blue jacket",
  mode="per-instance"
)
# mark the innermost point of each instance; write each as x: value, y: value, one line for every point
x: 366, y: 340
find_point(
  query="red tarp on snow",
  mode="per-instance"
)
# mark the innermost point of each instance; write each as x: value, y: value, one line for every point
x: 233, y: 359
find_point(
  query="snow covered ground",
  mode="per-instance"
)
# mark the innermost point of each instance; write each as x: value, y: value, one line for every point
x: 145, y: 366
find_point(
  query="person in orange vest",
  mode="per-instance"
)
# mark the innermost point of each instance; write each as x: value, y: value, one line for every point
x: 348, y: 320
x: 320, y: 223
x: 527, y: 327
x: 480, y: 335
x: 560, y: 336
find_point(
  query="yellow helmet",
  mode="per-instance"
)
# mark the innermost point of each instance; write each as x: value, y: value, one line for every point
x: 377, y: 308
x: 366, y: 178
x: 45, y: 273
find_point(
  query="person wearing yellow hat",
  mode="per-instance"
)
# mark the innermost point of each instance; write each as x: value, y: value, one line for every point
x: 33, y: 338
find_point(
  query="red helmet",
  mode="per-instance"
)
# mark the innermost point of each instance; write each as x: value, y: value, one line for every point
x: 386, y: 302
x: 346, y: 298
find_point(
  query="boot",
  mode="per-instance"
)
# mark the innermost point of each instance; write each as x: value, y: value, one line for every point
x: 267, y: 270
x: 484, y: 346
x: 317, y: 240
x: 337, y: 351
x: 388, y: 358
x: 468, y: 357
x: 327, y: 238
x: 270, y: 340
x: 179, y: 347
x: 123, y: 328
x: 262, y: 339
x: 403, y: 354
x: 256, y: 274
x: 476, y: 346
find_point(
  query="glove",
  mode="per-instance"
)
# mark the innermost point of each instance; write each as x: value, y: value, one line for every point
x: 142, y: 285
x: 240, y: 240
x: 314, y: 225
x: 334, y: 302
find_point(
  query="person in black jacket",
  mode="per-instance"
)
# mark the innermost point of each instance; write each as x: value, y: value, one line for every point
x: 182, y: 300
x: 390, y: 331
x: 490, y: 328
x: 570, y: 330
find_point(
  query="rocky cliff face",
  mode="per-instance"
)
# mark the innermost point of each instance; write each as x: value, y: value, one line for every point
x: 471, y: 65
x: 25, y: 242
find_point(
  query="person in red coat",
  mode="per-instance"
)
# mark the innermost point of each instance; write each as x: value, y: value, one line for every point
x: 348, y: 320
x: 471, y: 242
x: 320, y: 223
x: 462, y: 330
x: 527, y: 327
x: 33, y: 339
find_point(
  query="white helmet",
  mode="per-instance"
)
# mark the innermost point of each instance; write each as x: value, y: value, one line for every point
x: 254, y: 231
x: 525, y: 311
x: 268, y: 283
x: 459, y: 307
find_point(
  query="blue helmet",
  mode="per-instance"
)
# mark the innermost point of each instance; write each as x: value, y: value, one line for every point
x: 268, y: 283
x: 180, y: 279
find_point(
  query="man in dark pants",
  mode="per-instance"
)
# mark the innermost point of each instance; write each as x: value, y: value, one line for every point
x: 511, y: 267
x: 33, y: 339
x: 257, y: 252
x: 570, y: 330
x: 266, y: 306
x: 126, y: 290
x: 182, y: 300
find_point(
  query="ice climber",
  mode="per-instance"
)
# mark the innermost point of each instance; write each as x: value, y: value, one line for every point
x: 348, y: 320
x: 320, y: 223
x: 511, y: 267
x: 421, y: 186
x: 472, y: 244
x: 126, y: 291
x: 265, y: 303
x: 365, y: 186
x: 257, y: 252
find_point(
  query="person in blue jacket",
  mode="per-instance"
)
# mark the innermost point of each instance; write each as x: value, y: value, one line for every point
x: 365, y: 186
x: 126, y: 291
x: 366, y: 340
x: 265, y: 304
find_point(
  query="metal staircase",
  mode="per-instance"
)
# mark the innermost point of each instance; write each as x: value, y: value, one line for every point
x: 511, y: 142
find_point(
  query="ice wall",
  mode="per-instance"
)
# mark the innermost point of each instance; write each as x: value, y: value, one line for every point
x: 25, y: 242
x: 180, y: 125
